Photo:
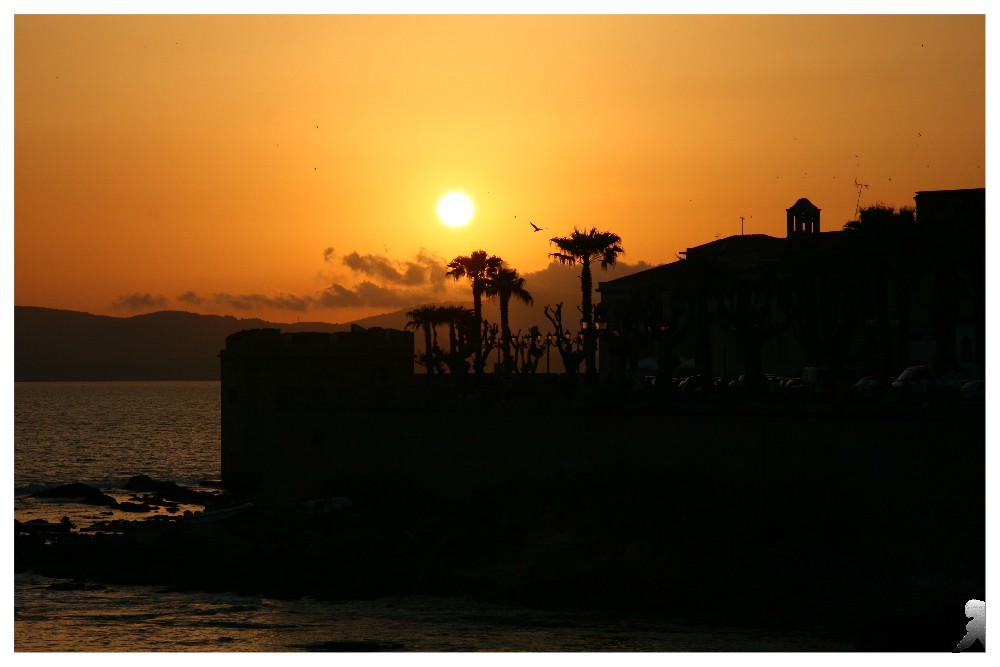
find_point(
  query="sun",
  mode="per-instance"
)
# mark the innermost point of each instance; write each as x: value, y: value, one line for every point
x: 455, y: 209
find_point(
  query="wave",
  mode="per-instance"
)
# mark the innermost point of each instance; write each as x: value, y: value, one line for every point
x: 115, y: 483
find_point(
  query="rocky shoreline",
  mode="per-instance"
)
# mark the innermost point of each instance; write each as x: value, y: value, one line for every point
x: 561, y: 561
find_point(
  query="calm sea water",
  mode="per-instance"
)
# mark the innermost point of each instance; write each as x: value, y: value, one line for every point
x: 102, y: 433
x: 105, y: 432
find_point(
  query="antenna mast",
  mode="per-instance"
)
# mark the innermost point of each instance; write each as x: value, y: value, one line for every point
x: 742, y: 220
x: 860, y: 187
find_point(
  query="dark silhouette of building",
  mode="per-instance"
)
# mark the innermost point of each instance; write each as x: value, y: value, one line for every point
x: 884, y: 296
x: 280, y: 389
x: 953, y: 224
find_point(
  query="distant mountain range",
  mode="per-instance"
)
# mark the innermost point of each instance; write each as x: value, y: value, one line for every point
x: 52, y: 344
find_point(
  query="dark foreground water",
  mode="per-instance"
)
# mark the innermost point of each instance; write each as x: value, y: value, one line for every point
x: 102, y: 433
x: 137, y: 618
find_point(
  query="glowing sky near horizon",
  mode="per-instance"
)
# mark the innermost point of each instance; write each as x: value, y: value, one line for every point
x: 290, y: 167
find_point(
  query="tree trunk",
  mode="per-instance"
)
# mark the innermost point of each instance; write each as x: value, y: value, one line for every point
x: 589, y: 347
x: 428, y: 362
x: 477, y: 307
x: 505, y: 331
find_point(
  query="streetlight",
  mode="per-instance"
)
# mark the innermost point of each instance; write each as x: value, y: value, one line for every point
x: 585, y: 337
x: 549, y: 339
x: 599, y: 325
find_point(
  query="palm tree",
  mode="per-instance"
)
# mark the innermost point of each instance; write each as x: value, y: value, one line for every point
x: 478, y: 268
x: 426, y: 318
x: 506, y: 284
x: 586, y: 247
x: 461, y: 340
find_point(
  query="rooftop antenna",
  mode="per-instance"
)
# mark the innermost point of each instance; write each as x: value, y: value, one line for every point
x: 860, y: 187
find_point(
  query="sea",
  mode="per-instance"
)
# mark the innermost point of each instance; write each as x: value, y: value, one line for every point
x: 103, y: 433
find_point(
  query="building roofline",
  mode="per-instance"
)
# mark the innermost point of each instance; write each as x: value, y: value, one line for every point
x: 933, y: 192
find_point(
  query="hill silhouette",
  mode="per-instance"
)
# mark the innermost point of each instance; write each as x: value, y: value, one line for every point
x: 52, y: 344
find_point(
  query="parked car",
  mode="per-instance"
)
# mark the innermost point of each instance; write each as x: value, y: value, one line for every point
x: 701, y: 384
x: 917, y: 382
x: 871, y: 386
x: 821, y: 378
x: 973, y: 391
x: 792, y: 387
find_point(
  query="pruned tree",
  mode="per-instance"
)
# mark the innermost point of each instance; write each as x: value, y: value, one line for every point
x: 570, y: 347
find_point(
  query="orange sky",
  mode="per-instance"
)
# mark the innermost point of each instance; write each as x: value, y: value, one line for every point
x: 208, y: 163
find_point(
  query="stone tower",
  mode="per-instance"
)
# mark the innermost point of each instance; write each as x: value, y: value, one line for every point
x: 803, y: 218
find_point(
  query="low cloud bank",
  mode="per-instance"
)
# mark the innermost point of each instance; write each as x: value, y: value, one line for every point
x: 383, y: 282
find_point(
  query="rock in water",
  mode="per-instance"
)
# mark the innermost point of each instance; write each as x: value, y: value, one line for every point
x: 84, y: 493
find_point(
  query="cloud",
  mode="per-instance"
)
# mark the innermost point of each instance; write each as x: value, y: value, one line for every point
x: 437, y: 268
x: 337, y: 296
x: 367, y: 293
x: 190, y: 297
x: 136, y: 301
x: 378, y: 266
x: 329, y: 254
x: 376, y: 295
x: 423, y: 269
x: 252, y: 301
x: 393, y: 284
x: 405, y: 284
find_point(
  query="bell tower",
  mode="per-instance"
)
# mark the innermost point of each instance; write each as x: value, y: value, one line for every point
x: 803, y: 218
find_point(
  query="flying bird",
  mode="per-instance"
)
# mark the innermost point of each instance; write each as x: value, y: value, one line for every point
x: 537, y: 228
